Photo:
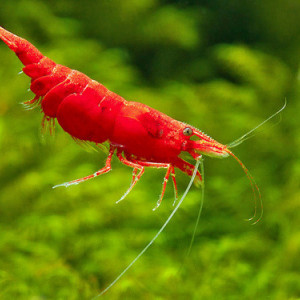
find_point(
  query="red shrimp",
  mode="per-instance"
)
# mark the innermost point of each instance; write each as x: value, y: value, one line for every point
x: 140, y: 135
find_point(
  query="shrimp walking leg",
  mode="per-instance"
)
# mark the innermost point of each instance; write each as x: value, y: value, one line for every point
x: 188, y: 169
x: 174, y: 185
x: 104, y: 170
x: 166, y: 178
x: 170, y: 170
x: 134, y: 172
x: 136, y: 177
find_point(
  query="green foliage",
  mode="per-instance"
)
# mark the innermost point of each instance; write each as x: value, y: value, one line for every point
x: 223, y: 66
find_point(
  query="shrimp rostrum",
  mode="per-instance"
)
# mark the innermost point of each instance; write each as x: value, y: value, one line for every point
x: 139, y: 135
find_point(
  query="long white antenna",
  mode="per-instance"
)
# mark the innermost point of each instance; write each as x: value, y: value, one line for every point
x: 246, y: 135
x: 158, y: 233
x: 200, y: 208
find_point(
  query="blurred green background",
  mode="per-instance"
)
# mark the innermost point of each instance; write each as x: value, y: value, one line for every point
x: 220, y: 65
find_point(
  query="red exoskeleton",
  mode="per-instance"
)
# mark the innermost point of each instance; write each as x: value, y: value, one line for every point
x: 139, y: 135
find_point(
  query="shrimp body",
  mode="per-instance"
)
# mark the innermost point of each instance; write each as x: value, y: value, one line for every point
x: 140, y: 135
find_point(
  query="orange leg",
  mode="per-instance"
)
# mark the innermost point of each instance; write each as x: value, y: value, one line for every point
x: 134, y: 172
x: 166, y: 178
x: 170, y: 169
x: 174, y: 185
x: 188, y: 169
x: 135, y: 177
x: 104, y: 170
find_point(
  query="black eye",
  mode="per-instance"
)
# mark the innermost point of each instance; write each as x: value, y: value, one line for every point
x: 187, y: 131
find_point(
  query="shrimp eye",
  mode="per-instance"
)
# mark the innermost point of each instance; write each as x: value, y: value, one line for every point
x: 187, y: 131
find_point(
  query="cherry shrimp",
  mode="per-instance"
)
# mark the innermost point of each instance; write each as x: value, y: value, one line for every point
x: 139, y: 135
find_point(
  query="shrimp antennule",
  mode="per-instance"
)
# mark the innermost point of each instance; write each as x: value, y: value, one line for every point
x: 248, y: 135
